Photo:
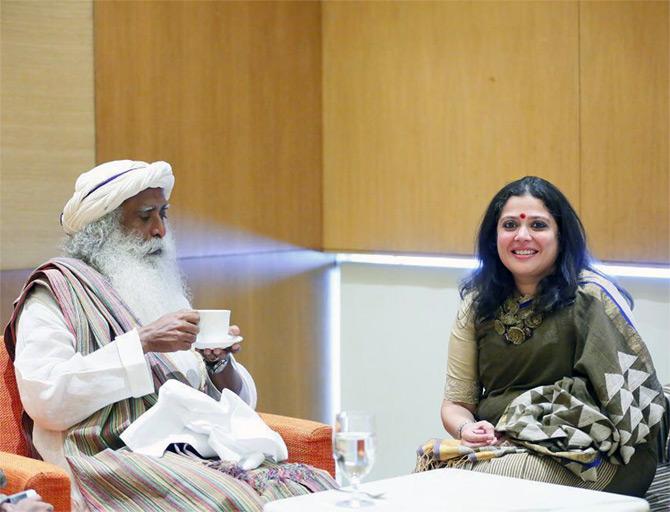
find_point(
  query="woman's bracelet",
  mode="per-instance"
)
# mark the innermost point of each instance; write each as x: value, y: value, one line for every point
x: 460, y: 428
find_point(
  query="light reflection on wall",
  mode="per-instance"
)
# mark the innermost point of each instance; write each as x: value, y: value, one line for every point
x: 201, y: 237
x: 281, y: 300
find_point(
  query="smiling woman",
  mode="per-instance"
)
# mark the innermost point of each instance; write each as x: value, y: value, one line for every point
x: 527, y: 242
x: 547, y: 377
x: 531, y: 241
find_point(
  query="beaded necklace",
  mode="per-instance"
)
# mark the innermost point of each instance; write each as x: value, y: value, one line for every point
x: 516, y: 319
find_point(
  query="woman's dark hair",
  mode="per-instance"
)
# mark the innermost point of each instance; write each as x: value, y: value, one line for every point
x: 492, y: 283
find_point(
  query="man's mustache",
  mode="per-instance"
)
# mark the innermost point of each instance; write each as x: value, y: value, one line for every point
x: 155, y: 247
x: 152, y: 247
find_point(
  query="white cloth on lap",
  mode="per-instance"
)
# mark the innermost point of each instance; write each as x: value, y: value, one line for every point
x: 228, y: 428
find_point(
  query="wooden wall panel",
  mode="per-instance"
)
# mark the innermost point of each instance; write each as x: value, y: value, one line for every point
x: 11, y: 283
x: 230, y: 94
x: 281, y: 303
x: 430, y: 107
x: 47, y: 138
x: 625, y: 116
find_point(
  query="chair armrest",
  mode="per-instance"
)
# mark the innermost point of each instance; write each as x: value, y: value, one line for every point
x: 308, y: 442
x: 48, y: 480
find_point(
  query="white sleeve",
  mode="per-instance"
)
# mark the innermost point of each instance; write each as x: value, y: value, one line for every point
x: 248, y: 391
x: 60, y: 387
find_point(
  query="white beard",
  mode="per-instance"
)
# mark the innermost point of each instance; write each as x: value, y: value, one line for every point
x: 149, y: 282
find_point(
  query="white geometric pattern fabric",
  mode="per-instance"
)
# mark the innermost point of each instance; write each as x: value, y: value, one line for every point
x: 600, y: 432
x: 646, y: 396
x: 635, y: 378
x: 642, y: 432
x: 625, y: 399
x: 655, y: 413
x: 635, y: 417
x: 626, y: 361
x: 614, y: 382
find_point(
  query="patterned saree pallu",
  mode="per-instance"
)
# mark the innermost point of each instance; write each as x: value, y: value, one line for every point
x: 615, y: 405
x: 440, y: 453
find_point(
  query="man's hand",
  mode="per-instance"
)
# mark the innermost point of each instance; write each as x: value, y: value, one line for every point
x: 228, y: 377
x: 212, y: 355
x: 34, y: 504
x: 171, y: 332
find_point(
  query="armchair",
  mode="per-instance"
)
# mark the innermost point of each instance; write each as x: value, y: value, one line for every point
x: 308, y: 442
x: 22, y: 472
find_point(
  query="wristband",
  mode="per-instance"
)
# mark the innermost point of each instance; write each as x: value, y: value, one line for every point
x: 13, y: 499
x: 460, y: 428
x: 218, y: 366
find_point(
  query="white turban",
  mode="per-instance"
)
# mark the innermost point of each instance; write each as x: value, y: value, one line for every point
x: 103, y: 189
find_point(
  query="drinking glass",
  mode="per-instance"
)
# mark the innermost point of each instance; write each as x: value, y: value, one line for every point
x: 354, y: 451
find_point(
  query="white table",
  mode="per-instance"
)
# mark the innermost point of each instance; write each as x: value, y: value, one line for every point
x: 455, y: 490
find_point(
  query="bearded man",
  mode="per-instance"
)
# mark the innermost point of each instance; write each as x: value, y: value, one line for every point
x: 96, y: 333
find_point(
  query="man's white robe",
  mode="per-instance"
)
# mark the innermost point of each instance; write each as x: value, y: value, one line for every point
x: 60, y: 387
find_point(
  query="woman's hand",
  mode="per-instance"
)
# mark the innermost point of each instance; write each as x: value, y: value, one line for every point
x: 459, y: 420
x: 480, y: 433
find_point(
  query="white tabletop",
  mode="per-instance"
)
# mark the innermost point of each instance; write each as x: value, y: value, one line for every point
x: 458, y: 490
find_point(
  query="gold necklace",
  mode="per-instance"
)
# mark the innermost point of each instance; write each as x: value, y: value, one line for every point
x: 516, y: 319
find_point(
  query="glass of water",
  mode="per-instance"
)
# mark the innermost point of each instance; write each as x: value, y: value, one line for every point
x: 354, y: 451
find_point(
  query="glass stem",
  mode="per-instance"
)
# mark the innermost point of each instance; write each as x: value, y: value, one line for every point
x: 356, y: 495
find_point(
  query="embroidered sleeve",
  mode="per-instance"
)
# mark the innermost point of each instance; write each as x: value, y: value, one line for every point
x: 462, y: 383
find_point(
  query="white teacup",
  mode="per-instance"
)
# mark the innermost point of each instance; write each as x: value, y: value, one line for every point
x: 214, y: 325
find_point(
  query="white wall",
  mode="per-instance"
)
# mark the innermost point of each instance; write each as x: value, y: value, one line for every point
x: 395, y: 323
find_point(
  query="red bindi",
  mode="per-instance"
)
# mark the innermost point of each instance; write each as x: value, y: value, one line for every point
x: 523, y: 215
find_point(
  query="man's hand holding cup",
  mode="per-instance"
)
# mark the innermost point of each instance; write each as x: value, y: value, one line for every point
x: 217, y: 338
x: 211, y: 355
x: 171, y: 332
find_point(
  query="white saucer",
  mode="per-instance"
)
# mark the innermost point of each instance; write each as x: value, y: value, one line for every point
x: 217, y: 343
